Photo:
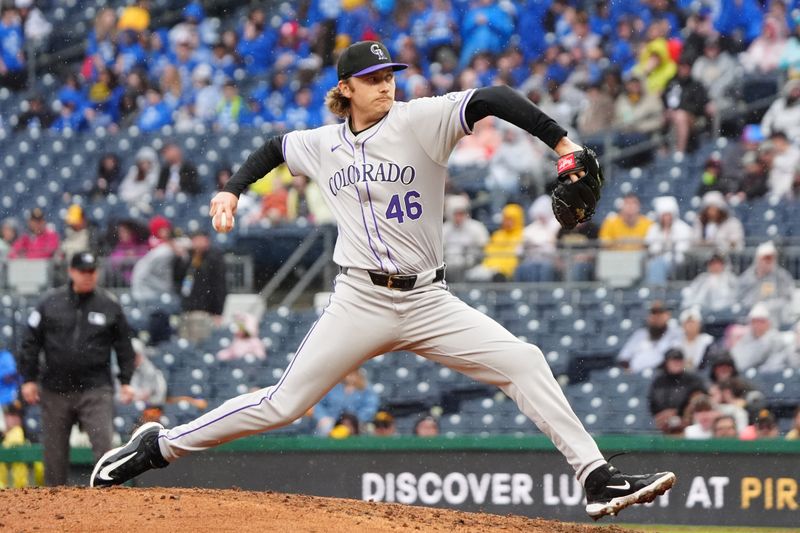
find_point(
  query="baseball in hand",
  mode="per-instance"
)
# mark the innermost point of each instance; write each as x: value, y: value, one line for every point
x: 221, y: 224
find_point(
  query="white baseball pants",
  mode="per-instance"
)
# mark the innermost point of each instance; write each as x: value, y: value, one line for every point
x: 363, y: 320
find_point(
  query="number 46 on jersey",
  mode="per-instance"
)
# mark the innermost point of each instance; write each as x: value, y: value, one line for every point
x: 407, y: 208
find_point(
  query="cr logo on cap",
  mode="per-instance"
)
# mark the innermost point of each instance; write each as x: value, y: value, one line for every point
x: 378, y: 51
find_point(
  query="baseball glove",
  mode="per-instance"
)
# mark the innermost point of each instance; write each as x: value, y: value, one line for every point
x: 575, y: 202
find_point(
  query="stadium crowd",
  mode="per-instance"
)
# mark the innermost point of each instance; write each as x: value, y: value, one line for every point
x: 649, y: 82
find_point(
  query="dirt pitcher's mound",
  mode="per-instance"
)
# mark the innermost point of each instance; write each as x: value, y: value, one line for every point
x: 174, y: 510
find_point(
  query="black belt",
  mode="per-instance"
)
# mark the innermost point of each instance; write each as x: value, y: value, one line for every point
x: 400, y: 282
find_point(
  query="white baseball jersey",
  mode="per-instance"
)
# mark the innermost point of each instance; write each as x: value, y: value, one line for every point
x: 385, y: 186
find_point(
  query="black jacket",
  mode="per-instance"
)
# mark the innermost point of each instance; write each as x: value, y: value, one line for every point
x: 673, y: 390
x: 201, y: 284
x: 189, y: 179
x: 687, y: 94
x: 76, y: 333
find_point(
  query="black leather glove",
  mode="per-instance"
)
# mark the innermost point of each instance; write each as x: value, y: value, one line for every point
x: 575, y: 202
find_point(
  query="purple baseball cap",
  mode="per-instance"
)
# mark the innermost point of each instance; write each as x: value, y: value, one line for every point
x: 364, y: 57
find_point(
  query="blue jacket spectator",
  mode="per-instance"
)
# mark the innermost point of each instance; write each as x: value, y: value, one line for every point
x: 323, y: 10
x: 631, y: 8
x: 739, y: 20
x: 301, y: 114
x: 157, y: 56
x: 185, y: 60
x: 290, y: 47
x: 70, y: 118
x: 173, y: 92
x: 101, y: 46
x: 486, y: 28
x: 130, y: 54
x: 12, y: 57
x: 12, y: 40
x: 9, y: 378
x: 223, y: 63
x: 601, y: 21
x: 441, y: 24
x: 362, y: 23
x: 669, y: 14
x: 352, y: 395
x: 274, y: 97
x: 530, y: 27
x: 71, y: 91
x: 621, y: 50
x: 155, y: 114
x: 256, y: 42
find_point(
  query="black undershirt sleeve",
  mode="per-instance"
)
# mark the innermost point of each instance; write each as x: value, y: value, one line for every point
x: 257, y: 165
x: 506, y: 103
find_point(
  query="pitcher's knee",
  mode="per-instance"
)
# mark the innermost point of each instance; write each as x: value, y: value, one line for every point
x: 267, y: 410
x: 529, y: 355
x: 529, y: 352
x: 535, y: 351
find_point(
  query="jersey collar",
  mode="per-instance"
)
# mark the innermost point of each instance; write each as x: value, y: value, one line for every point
x: 350, y: 136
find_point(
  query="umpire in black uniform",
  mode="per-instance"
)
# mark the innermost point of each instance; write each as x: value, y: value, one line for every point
x: 76, y: 326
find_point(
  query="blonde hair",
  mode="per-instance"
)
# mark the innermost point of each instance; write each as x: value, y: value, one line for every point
x: 105, y: 23
x: 171, y: 81
x: 337, y: 103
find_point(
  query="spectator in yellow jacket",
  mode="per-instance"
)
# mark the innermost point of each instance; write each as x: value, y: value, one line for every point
x: 655, y: 61
x: 17, y: 475
x: 135, y: 17
x: 501, y: 254
x: 627, y: 229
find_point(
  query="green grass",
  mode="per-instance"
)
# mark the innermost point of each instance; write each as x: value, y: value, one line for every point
x: 707, y: 529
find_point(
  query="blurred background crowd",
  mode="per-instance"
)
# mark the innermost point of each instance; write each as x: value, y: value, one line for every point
x: 122, y: 118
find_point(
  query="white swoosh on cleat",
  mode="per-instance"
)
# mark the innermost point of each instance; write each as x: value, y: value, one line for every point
x: 104, y: 473
x: 626, y: 486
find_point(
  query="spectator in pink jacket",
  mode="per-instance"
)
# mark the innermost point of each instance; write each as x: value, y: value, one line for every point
x: 41, y: 243
x: 764, y: 54
x: 245, y: 339
x: 130, y: 245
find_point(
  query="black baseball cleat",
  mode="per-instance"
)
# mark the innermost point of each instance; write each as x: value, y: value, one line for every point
x: 139, y: 455
x: 608, y: 490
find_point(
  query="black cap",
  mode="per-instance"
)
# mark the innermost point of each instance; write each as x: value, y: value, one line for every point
x: 84, y: 261
x: 673, y: 353
x: 364, y: 57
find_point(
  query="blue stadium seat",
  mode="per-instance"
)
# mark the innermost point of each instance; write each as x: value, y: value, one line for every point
x: 126, y: 417
x: 179, y: 413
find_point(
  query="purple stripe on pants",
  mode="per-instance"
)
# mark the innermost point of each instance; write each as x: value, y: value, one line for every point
x: 269, y: 396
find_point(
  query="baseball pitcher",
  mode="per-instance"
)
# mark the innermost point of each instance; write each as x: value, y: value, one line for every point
x: 383, y: 171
